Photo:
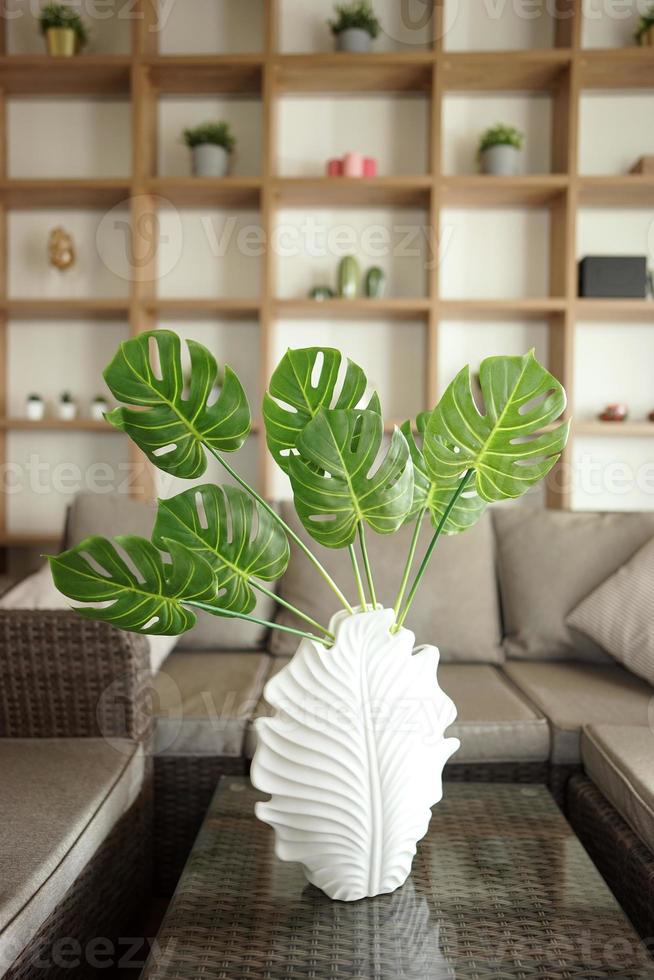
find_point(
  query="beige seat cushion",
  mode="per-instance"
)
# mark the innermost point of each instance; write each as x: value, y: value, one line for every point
x: 572, y: 695
x: 59, y: 800
x: 109, y: 514
x: 456, y: 609
x: 548, y: 561
x: 205, y: 701
x: 620, y: 761
x: 494, y: 723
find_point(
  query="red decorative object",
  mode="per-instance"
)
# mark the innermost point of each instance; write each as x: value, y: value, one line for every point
x: 352, y: 165
x: 614, y: 413
x: 369, y: 167
x: 334, y: 168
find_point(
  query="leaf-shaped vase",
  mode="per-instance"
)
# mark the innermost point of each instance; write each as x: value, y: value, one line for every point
x: 353, y: 755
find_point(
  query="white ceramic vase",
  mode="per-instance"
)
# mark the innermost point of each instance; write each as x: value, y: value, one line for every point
x: 502, y: 160
x: 353, y: 755
x: 210, y: 160
x: 354, y: 39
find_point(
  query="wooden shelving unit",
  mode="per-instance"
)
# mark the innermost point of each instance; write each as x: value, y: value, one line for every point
x: 144, y: 75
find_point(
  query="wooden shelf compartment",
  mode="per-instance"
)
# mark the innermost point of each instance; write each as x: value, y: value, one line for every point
x: 189, y: 192
x: 403, y: 71
x: 501, y: 309
x: 97, y: 193
x: 616, y: 68
x: 632, y: 310
x: 505, y: 71
x: 65, y: 309
x: 206, y: 75
x: 232, y: 309
x: 92, y: 74
x: 326, y: 192
x: 594, y: 427
x: 57, y: 425
x: 621, y: 190
x: 486, y: 191
x: 356, y: 309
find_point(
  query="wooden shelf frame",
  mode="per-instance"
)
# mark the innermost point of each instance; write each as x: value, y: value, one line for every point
x: 144, y: 76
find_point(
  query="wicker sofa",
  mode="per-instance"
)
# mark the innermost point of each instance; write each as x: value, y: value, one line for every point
x: 530, y: 692
x: 76, y: 797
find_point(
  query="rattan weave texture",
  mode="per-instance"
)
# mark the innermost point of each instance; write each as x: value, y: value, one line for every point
x: 500, y: 888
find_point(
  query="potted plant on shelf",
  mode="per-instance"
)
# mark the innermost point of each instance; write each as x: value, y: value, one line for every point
x: 499, y: 150
x: 211, y: 144
x: 354, y: 26
x: 64, y: 31
x: 99, y: 408
x: 644, y: 33
x: 66, y: 407
x: 213, y: 547
x: 34, y: 408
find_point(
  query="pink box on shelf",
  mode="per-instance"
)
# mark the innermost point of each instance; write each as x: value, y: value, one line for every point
x: 369, y: 167
x: 353, y: 165
x: 334, y: 168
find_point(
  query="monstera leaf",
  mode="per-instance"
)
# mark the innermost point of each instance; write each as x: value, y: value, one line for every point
x: 334, y: 485
x: 146, y: 601
x: 171, y: 424
x: 435, y: 495
x: 351, y: 791
x: 511, y: 446
x: 232, y: 532
x: 296, y: 394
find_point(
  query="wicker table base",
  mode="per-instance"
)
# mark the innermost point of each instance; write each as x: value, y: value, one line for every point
x: 500, y: 887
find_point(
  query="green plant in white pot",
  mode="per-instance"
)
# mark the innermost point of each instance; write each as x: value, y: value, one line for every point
x: 499, y: 150
x: 211, y: 144
x: 354, y: 26
x: 64, y: 31
x: 351, y: 784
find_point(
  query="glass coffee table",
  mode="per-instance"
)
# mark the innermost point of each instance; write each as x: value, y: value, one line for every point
x: 500, y: 888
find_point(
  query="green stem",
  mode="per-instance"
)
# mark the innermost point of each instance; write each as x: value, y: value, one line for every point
x: 216, y: 611
x: 432, y: 544
x: 291, y: 533
x: 357, y: 575
x: 366, y: 564
x: 409, y: 561
x: 288, y: 605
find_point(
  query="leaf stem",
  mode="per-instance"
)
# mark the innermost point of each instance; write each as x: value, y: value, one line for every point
x: 366, y: 564
x: 432, y: 544
x: 291, y: 533
x: 409, y: 561
x: 288, y: 605
x: 357, y: 575
x: 216, y: 611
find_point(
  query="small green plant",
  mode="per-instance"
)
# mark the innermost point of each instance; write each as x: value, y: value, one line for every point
x: 355, y: 15
x: 217, y: 133
x: 59, y: 15
x: 644, y: 24
x: 66, y: 398
x: 501, y: 135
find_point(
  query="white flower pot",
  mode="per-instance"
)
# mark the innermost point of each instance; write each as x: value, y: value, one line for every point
x: 67, y: 411
x: 34, y: 410
x: 98, y: 410
x: 502, y: 160
x: 353, y: 755
x: 353, y: 39
x: 210, y: 160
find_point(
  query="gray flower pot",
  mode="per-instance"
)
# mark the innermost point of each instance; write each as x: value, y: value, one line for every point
x: 353, y: 39
x: 502, y: 160
x: 210, y: 160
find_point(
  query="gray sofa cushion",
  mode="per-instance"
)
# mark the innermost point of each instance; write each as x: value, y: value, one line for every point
x: 620, y: 761
x: 59, y: 801
x: 205, y: 701
x: 494, y: 722
x: 457, y: 606
x: 548, y: 561
x: 116, y: 513
x: 572, y: 695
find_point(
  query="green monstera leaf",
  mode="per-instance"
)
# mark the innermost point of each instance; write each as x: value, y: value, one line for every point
x: 148, y: 601
x: 303, y: 382
x: 232, y: 532
x: 435, y: 495
x: 511, y: 445
x: 172, y: 425
x: 334, y: 481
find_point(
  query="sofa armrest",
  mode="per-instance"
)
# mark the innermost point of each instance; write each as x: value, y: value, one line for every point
x: 62, y: 676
